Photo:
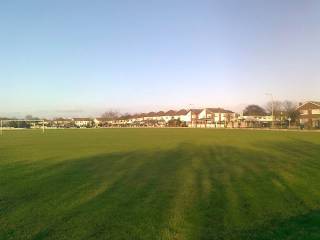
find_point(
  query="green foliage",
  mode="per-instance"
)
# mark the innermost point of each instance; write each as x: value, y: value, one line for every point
x: 254, y: 110
x: 159, y: 184
x: 176, y: 123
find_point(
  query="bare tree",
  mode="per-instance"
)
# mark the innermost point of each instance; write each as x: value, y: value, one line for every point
x: 289, y: 109
x: 277, y: 109
x: 110, y: 115
x: 283, y: 110
x: 289, y: 106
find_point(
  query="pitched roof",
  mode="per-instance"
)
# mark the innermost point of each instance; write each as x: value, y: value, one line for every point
x: 138, y: 115
x: 102, y: 119
x: 170, y: 113
x: 218, y: 110
x: 195, y: 110
x: 126, y: 117
x: 151, y: 114
x: 182, y: 112
x: 161, y: 113
x: 313, y: 102
x: 81, y: 119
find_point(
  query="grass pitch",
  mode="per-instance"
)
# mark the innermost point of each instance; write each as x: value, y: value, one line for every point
x: 159, y: 184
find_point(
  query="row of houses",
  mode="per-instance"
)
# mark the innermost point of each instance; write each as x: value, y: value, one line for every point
x: 70, y: 122
x: 309, y: 117
x: 208, y: 117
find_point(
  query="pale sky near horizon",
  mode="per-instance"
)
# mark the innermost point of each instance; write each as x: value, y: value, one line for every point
x: 77, y: 58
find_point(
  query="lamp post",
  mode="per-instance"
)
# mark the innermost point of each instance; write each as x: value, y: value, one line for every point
x: 289, y: 119
x: 191, y: 120
x: 272, y: 108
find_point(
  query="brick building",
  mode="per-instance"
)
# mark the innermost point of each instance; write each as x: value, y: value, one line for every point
x: 309, y: 114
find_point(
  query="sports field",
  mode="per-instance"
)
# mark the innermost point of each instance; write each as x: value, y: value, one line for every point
x: 159, y: 184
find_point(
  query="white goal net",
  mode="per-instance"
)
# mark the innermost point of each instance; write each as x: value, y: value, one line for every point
x: 15, y: 124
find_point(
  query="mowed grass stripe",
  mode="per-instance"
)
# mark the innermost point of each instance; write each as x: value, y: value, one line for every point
x: 159, y: 184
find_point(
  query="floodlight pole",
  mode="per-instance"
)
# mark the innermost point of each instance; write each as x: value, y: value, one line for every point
x: 1, y: 127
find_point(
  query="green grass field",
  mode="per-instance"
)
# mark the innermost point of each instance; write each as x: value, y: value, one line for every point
x: 159, y: 184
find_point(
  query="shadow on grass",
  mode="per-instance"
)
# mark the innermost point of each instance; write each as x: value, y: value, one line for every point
x: 190, y: 192
x: 305, y: 226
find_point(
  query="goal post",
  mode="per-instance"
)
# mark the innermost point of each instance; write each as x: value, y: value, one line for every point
x: 12, y: 124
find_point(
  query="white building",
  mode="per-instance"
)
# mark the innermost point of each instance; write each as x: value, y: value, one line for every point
x: 169, y: 115
x: 181, y: 114
x: 82, y: 122
x: 215, y: 118
x: 191, y: 117
x: 254, y: 121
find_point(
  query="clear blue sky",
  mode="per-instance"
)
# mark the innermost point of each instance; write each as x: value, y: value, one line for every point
x: 75, y: 57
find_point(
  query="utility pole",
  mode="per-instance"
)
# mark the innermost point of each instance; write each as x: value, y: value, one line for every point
x: 272, y: 108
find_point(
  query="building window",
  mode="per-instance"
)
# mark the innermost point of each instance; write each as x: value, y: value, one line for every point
x: 315, y: 111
